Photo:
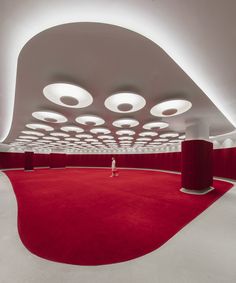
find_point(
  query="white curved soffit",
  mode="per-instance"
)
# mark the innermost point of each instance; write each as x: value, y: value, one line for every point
x: 68, y: 95
x: 155, y: 24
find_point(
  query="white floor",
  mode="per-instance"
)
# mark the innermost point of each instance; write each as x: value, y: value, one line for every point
x: 204, y: 251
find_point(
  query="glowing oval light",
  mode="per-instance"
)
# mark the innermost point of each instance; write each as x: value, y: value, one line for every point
x: 28, y: 137
x: 72, y: 129
x: 160, y: 140
x: 59, y: 134
x: 182, y: 137
x: 39, y: 126
x: 125, y: 138
x: 143, y: 139
x: 51, y: 138
x: 100, y: 131
x: 155, y: 125
x: 50, y: 117
x: 90, y: 120
x: 125, y: 123
x: 171, y: 108
x: 38, y: 134
x: 125, y: 132
x: 125, y: 102
x: 169, y: 135
x: 102, y: 137
x: 84, y: 136
x: 148, y: 134
x: 68, y: 95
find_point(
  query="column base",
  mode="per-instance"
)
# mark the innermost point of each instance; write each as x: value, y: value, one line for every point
x: 197, y: 192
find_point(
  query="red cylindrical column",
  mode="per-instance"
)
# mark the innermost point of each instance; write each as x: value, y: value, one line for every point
x: 197, y: 166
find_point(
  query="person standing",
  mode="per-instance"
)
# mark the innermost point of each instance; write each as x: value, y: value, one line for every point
x: 113, y: 168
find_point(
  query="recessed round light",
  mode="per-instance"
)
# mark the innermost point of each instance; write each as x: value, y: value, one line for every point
x: 160, y: 140
x: 23, y: 140
x: 125, y: 102
x: 125, y: 123
x: 39, y: 127
x: 171, y: 108
x: 143, y: 139
x: 90, y: 120
x: 125, y: 138
x: 71, y: 139
x: 155, y: 125
x: 125, y: 132
x: 182, y: 137
x: 59, y: 134
x: 175, y: 141
x: 51, y: 117
x: 72, y: 129
x: 84, y: 136
x: 38, y: 134
x: 100, y: 131
x: 169, y: 135
x: 102, y: 137
x: 68, y: 95
x: 148, y: 134
x: 28, y: 137
x: 51, y: 138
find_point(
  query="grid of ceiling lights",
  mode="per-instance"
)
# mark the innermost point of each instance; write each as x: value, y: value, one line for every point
x: 89, y: 132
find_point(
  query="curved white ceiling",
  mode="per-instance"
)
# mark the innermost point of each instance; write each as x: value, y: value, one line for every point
x: 198, y: 35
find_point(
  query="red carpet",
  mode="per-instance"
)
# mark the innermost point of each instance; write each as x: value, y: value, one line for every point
x: 82, y: 216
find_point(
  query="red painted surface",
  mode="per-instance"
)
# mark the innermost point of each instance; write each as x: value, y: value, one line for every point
x: 197, y: 164
x: 82, y: 216
x: 12, y: 160
x: 29, y: 160
x: 57, y: 160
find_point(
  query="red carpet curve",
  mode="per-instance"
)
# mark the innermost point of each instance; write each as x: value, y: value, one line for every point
x: 84, y: 217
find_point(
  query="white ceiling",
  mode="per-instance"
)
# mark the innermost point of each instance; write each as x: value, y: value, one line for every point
x: 198, y: 35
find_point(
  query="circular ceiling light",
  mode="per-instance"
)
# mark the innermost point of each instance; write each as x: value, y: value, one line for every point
x: 175, y: 141
x: 125, y: 142
x: 39, y: 126
x: 71, y: 139
x: 125, y: 102
x: 148, y: 134
x: 160, y: 140
x: 51, y: 117
x: 23, y: 140
x: 169, y: 135
x: 28, y: 137
x: 58, y: 134
x: 91, y: 140
x: 125, y: 138
x: 32, y: 133
x: 68, y: 95
x: 144, y: 139
x: 90, y: 120
x: 102, y: 137
x: 155, y: 125
x: 171, y: 108
x: 109, y: 141
x: 51, y: 138
x: 125, y: 123
x: 100, y: 131
x: 44, y: 141
x: 182, y: 137
x: 72, y: 129
x: 84, y: 136
x: 125, y: 132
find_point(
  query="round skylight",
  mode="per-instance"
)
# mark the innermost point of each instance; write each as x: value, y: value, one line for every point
x: 144, y: 139
x: 125, y: 123
x: 72, y: 129
x: 51, y: 117
x: 84, y: 136
x: 51, y: 138
x: 102, y: 137
x: 155, y: 125
x: 90, y: 120
x: 39, y: 127
x: 171, y: 108
x: 125, y: 138
x: 68, y: 95
x: 160, y: 140
x: 125, y: 102
x: 100, y: 131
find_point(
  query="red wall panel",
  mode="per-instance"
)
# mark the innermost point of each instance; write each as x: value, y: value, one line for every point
x: 57, y: 160
x: 12, y: 160
x: 41, y: 160
x: 29, y: 160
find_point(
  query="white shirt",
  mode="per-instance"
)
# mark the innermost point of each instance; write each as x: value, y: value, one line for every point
x: 113, y: 164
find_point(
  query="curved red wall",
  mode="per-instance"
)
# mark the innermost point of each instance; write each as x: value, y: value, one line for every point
x: 224, y: 161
